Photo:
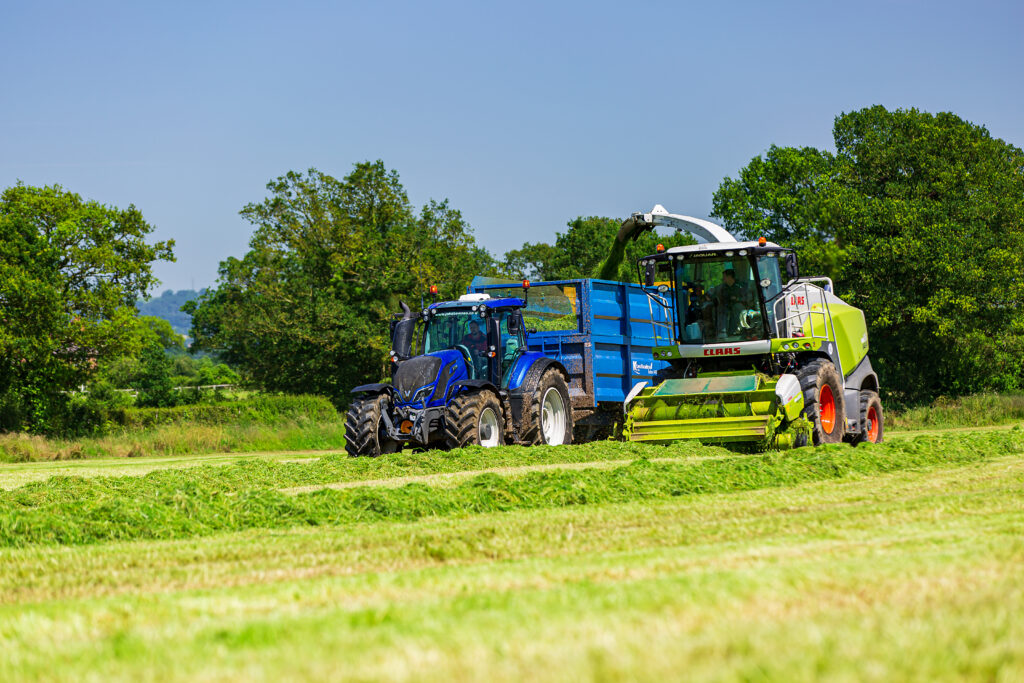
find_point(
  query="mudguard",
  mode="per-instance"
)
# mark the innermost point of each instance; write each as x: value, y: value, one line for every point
x: 520, y: 395
x: 373, y: 389
x: 477, y: 384
x: 863, y: 378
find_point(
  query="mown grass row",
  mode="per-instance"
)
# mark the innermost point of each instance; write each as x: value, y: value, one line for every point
x: 178, y: 504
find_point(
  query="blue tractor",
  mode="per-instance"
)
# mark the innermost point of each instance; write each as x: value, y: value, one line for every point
x: 474, y: 382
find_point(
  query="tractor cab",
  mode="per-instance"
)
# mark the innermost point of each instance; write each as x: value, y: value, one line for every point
x: 488, y: 333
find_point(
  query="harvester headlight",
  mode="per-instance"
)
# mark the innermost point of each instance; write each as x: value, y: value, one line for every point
x: 743, y: 252
x: 728, y: 253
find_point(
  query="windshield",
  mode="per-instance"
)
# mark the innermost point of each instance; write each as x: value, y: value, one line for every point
x: 451, y: 329
x: 463, y: 330
x: 718, y: 299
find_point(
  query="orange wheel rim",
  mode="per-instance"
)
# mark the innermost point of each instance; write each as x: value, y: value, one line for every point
x: 872, y: 424
x: 827, y: 409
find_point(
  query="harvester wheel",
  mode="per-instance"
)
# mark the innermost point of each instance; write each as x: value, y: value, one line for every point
x: 474, y: 419
x: 824, y: 406
x: 871, y: 417
x: 548, y: 417
x: 365, y: 430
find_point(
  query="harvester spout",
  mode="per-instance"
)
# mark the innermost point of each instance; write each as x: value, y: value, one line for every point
x: 639, y: 223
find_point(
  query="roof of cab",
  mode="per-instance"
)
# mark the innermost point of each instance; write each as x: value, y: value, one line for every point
x: 721, y: 246
x: 507, y: 302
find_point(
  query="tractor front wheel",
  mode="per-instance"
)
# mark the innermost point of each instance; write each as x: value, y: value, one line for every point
x: 474, y: 419
x: 824, y: 404
x: 365, y: 430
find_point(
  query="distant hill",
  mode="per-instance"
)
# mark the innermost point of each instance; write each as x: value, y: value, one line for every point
x: 168, y: 306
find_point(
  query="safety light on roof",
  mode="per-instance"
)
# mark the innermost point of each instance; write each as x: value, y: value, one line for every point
x: 761, y: 241
x: 526, y: 284
x: 660, y: 248
x: 433, y: 289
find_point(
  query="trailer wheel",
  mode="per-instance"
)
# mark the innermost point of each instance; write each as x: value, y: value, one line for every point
x: 824, y: 405
x: 474, y: 419
x: 365, y: 430
x: 871, y: 417
x: 548, y: 417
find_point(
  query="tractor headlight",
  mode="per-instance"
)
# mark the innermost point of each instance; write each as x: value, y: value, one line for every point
x: 423, y: 393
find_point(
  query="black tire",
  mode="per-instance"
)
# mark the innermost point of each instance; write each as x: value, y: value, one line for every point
x: 531, y: 432
x: 872, y: 418
x: 818, y: 379
x: 365, y: 430
x: 474, y: 419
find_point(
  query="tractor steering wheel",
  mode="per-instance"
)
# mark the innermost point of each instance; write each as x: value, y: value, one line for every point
x: 470, y: 364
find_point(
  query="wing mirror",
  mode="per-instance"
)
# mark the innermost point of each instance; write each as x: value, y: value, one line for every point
x: 514, y: 324
x: 649, y: 274
x: 792, y: 271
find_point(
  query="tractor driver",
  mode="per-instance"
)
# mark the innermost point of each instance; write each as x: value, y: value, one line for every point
x: 476, y: 340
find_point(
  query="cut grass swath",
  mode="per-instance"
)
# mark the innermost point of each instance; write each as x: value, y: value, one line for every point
x: 179, y: 504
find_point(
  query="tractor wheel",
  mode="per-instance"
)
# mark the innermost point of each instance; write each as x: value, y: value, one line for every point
x: 365, y: 430
x: 548, y: 417
x: 474, y: 419
x: 871, y: 417
x: 824, y: 405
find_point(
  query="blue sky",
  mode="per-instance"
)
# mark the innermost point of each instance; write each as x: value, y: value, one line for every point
x: 523, y: 114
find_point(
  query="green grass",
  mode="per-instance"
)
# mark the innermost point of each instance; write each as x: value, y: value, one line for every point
x: 912, y: 574
x: 602, y: 561
x: 969, y: 411
x: 206, y: 500
x: 259, y: 423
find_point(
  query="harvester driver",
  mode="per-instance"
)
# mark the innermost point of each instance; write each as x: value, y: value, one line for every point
x: 732, y: 299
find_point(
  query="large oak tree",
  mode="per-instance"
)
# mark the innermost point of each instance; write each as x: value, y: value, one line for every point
x: 920, y: 220
x: 306, y: 310
x: 71, y: 271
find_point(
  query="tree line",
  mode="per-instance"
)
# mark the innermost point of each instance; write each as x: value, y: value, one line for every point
x: 918, y: 218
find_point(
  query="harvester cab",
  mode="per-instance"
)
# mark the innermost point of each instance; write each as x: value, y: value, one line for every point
x: 761, y: 356
x: 472, y: 382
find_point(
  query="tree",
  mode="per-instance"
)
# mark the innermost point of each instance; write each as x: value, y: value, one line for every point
x: 306, y: 310
x: 580, y: 251
x: 70, y: 273
x: 920, y: 220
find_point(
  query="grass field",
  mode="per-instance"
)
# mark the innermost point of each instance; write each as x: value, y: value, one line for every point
x: 603, y: 561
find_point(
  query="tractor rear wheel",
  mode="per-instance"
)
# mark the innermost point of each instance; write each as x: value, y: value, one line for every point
x: 824, y: 405
x: 365, y: 430
x: 871, y: 418
x: 474, y: 419
x: 548, y: 417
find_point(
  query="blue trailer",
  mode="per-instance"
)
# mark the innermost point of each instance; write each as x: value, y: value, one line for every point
x: 509, y: 363
x: 602, y: 332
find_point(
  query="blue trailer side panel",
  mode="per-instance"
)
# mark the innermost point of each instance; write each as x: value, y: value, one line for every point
x: 609, y: 347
